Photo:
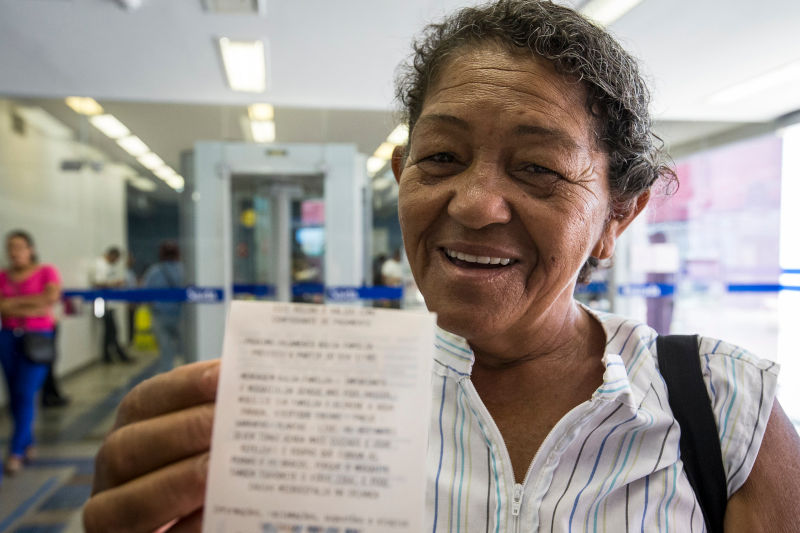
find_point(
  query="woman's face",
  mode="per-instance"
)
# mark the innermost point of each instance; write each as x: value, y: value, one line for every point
x: 502, y: 168
x: 19, y: 252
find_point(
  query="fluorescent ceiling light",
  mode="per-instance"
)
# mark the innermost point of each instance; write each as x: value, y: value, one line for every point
x: 131, y: 5
x: 176, y: 182
x: 399, y: 135
x: 384, y: 151
x: 785, y: 75
x: 164, y: 172
x: 261, y: 112
x: 606, y: 12
x: 84, y: 105
x: 240, y: 7
x: 244, y: 65
x: 143, y: 184
x: 374, y: 164
x: 263, y: 131
x: 150, y: 161
x: 110, y: 126
x: 133, y: 145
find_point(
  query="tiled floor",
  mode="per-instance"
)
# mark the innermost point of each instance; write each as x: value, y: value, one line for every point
x: 47, y: 496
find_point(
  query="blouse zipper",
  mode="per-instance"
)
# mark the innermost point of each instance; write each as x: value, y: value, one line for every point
x: 576, y: 412
x: 516, y: 504
x: 519, y: 488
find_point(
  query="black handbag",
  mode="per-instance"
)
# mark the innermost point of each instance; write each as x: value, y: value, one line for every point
x: 39, y: 348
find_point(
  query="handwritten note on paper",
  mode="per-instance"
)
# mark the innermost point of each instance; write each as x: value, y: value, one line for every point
x: 321, y: 420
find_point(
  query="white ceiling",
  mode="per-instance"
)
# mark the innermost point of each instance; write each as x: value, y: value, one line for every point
x: 170, y: 129
x: 341, y: 54
x: 321, y: 53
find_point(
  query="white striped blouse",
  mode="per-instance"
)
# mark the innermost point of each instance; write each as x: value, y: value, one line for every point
x: 611, y: 464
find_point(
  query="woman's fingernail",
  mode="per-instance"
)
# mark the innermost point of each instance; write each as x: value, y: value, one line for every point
x: 210, y: 378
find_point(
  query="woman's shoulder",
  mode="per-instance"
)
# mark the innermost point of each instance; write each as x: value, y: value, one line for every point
x: 741, y: 386
x: 711, y: 348
x: 48, y: 271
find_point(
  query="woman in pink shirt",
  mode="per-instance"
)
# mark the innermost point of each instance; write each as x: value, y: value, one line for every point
x: 28, y: 291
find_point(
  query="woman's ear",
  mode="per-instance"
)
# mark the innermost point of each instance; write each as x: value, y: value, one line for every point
x: 604, y: 248
x: 398, y: 157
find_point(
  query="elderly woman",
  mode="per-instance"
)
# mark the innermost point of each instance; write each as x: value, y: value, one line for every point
x: 530, y: 152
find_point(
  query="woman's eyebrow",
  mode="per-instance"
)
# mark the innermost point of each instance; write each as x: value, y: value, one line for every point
x: 441, y: 117
x: 555, y: 135
x: 552, y: 134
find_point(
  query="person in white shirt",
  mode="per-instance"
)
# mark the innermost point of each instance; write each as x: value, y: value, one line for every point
x: 109, y: 273
x: 392, y: 275
x: 392, y: 270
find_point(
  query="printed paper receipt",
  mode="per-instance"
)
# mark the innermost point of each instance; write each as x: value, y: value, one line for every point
x: 321, y: 420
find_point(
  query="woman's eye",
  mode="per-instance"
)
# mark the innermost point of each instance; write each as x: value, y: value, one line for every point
x: 542, y: 181
x: 540, y: 170
x: 441, y: 157
x: 440, y: 164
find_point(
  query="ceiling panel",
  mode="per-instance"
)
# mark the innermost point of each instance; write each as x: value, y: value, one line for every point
x: 343, y: 54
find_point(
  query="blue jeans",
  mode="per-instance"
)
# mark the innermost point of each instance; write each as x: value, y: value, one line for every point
x: 24, y: 379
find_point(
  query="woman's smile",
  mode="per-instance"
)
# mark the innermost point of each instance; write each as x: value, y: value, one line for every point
x: 469, y: 266
x: 480, y: 261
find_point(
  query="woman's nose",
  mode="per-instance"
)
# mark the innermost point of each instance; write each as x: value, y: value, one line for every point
x: 479, y: 198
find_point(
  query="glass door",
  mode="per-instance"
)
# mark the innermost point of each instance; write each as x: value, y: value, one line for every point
x: 278, y: 237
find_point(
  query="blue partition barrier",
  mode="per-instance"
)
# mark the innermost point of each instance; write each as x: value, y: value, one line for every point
x: 213, y: 295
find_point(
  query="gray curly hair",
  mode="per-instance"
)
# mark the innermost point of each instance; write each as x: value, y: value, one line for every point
x: 617, y: 96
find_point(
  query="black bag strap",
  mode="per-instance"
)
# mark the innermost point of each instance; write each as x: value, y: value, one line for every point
x: 679, y: 363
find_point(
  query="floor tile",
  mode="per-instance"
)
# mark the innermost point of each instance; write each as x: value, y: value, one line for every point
x: 47, y: 496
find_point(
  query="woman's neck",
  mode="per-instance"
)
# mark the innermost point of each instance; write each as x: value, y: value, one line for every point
x: 573, y: 355
x: 21, y: 270
x: 562, y: 331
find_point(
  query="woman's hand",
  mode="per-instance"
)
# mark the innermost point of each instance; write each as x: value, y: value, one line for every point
x: 25, y: 306
x: 150, y: 473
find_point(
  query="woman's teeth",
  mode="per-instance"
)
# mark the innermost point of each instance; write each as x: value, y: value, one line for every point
x: 480, y: 259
